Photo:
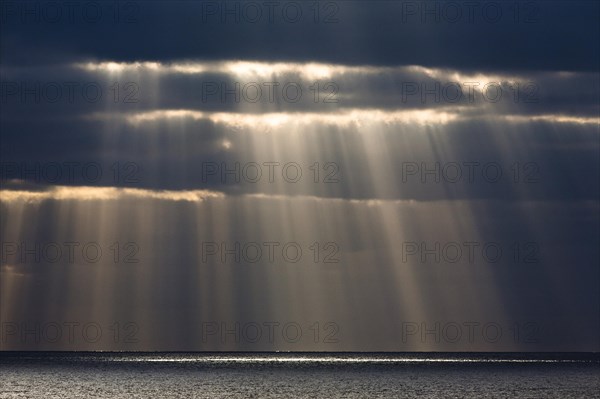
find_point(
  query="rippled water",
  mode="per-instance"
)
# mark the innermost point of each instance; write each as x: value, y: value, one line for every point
x: 177, y: 375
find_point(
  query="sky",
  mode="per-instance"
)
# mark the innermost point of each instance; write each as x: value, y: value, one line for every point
x: 300, y: 176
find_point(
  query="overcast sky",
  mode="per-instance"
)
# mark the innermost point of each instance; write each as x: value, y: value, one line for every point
x: 305, y: 176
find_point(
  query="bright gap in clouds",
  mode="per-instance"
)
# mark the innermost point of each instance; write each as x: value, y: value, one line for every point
x: 341, y: 118
x: 308, y: 70
x: 83, y: 193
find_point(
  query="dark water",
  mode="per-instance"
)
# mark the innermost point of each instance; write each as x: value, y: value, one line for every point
x: 284, y: 375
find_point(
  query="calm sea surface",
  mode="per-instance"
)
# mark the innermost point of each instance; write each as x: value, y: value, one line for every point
x: 284, y: 375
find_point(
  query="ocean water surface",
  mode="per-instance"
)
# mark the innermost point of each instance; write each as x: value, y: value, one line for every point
x: 298, y: 375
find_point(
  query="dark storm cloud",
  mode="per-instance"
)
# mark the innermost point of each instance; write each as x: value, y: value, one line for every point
x: 468, y: 159
x: 47, y: 119
x: 86, y: 87
x: 539, y: 35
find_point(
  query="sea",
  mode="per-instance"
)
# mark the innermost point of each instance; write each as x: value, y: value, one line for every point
x: 298, y: 375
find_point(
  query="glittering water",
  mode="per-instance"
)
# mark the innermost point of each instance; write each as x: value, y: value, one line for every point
x: 259, y: 375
